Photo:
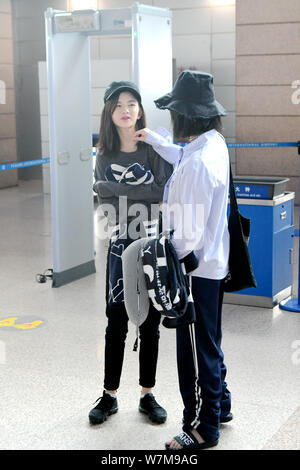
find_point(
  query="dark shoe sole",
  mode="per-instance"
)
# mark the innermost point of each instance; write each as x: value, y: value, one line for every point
x: 154, y: 419
x: 94, y: 420
x: 226, y: 418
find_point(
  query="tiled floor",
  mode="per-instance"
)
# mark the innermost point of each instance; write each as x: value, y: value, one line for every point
x: 52, y: 374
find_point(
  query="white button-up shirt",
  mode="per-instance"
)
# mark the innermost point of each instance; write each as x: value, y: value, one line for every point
x: 196, y: 198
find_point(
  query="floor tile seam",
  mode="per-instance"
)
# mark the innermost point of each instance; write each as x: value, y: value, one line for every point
x: 38, y: 436
x: 41, y: 437
x: 34, y: 437
x: 84, y: 410
x: 78, y: 411
x: 269, y: 446
x: 17, y: 438
x: 284, y: 425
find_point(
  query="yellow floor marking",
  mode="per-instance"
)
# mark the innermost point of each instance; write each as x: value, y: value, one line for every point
x: 28, y: 326
x: 8, y: 321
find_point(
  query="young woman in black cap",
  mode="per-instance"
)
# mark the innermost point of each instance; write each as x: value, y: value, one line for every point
x: 200, y: 185
x: 134, y: 173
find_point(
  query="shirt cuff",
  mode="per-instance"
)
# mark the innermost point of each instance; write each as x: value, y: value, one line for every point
x: 154, y: 138
x: 190, y: 262
x: 164, y: 133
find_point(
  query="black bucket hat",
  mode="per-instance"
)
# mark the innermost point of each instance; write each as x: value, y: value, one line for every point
x: 193, y: 96
x: 118, y: 87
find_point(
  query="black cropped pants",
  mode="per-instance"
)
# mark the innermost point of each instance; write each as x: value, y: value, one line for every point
x: 115, y: 338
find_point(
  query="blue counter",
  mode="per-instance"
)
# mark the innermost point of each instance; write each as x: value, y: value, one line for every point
x: 271, y: 248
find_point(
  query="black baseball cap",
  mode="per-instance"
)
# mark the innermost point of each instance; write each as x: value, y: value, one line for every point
x: 118, y: 87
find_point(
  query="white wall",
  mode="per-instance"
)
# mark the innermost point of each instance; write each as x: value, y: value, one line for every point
x: 8, y: 150
x: 29, y: 48
x: 203, y: 38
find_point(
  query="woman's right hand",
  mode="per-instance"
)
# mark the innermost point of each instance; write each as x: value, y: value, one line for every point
x: 141, y: 135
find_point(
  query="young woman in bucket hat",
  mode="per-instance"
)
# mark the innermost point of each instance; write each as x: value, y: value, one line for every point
x: 128, y: 170
x: 200, y: 180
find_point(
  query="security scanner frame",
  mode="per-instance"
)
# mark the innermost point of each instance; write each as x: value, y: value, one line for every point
x: 69, y: 108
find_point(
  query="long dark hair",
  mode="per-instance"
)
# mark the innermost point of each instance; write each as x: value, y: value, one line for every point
x: 184, y: 127
x: 109, y: 140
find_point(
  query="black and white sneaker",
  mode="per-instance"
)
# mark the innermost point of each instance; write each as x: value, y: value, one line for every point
x: 107, y: 406
x: 156, y: 413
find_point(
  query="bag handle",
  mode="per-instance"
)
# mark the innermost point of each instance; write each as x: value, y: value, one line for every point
x: 233, y: 201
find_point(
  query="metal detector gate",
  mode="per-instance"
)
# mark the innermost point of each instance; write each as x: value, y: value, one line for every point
x: 69, y: 103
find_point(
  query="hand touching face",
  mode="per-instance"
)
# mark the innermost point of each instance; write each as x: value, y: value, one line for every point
x: 141, y: 135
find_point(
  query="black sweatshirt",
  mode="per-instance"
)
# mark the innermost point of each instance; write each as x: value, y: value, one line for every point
x: 140, y: 176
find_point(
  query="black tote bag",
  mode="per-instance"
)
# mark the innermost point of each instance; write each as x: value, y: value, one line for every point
x: 240, y: 274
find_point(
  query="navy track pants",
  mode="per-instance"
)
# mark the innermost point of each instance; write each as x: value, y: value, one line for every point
x: 200, y: 361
